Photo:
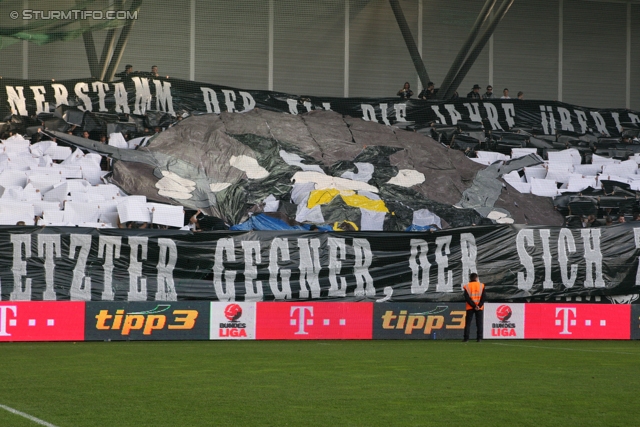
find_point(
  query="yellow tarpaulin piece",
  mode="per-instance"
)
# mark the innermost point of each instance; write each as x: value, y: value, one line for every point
x: 358, y: 201
x: 322, y: 197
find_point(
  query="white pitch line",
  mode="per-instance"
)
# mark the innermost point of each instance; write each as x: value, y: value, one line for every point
x: 567, y: 349
x: 27, y: 416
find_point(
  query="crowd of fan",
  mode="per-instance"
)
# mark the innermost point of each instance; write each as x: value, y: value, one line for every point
x: 430, y: 92
x: 589, y: 221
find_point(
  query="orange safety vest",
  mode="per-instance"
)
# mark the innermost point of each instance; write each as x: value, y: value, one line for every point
x: 474, y: 289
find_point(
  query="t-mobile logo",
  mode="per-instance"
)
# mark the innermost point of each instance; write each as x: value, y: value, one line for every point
x: 302, y: 319
x: 3, y: 319
x: 564, y: 321
x: 305, y: 317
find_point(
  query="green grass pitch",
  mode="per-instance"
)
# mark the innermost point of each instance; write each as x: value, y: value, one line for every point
x: 322, y: 383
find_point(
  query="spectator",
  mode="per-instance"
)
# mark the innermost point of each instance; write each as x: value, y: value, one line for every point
x: 154, y: 72
x: 85, y: 134
x: 589, y: 221
x: 636, y: 216
x: 608, y: 221
x: 103, y: 139
x: 521, y: 95
x: 621, y: 219
x: 475, y: 92
x: 489, y: 93
x: 455, y: 95
x: 202, y: 222
x: 505, y: 94
x: 429, y: 92
x: 405, y: 92
x: 128, y: 70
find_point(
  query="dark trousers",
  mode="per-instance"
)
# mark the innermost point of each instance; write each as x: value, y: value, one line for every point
x: 479, y: 322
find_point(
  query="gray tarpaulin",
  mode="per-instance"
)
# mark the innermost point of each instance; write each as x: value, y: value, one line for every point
x: 198, y: 163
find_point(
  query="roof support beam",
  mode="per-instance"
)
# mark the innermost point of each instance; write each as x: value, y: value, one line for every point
x: 410, y: 42
x: 464, y: 50
x: 471, y: 59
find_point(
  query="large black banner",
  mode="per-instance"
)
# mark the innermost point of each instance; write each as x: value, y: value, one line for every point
x: 139, y: 95
x: 516, y: 262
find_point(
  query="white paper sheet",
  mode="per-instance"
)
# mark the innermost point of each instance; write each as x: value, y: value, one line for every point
x: 173, y: 216
x: 535, y: 172
x: 628, y: 168
x: 86, y: 197
x: 133, y: 208
x: 22, y: 162
x: 117, y: 140
x: 45, y: 183
x: 110, y: 218
x: 11, y: 213
x: 78, y: 185
x: 488, y: 157
x: 39, y: 207
x: 109, y: 191
x: 58, y: 153
x: 559, y: 172
x: 544, y: 187
x: 12, y: 178
x: 58, y: 193
x: 516, y: 153
x: 518, y: 182
x: 76, y: 212
x: 93, y: 175
x: 570, y: 157
x: 588, y: 170
x: 600, y: 160
x: 577, y: 183
x: 53, y: 216
x: 17, y: 144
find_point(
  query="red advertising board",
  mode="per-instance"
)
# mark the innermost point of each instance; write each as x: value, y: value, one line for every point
x: 577, y: 321
x: 314, y: 321
x: 42, y: 321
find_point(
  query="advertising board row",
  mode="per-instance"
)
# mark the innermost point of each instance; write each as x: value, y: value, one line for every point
x: 113, y: 321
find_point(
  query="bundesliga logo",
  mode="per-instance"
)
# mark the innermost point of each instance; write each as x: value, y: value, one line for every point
x: 504, y: 328
x: 503, y: 313
x: 233, y: 312
x: 233, y: 329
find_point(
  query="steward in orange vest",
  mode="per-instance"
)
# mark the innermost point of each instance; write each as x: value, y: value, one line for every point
x: 474, y: 295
